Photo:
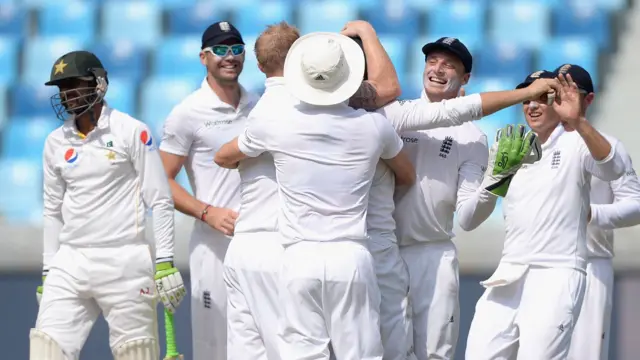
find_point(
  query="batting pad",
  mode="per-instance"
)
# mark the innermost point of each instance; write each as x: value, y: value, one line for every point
x: 43, y: 347
x: 140, y: 349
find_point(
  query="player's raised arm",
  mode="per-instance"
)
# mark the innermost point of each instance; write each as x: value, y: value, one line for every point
x: 625, y: 210
x: 381, y: 84
x: 248, y: 144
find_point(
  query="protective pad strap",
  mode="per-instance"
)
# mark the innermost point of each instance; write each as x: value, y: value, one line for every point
x: 43, y: 347
x: 139, y: 349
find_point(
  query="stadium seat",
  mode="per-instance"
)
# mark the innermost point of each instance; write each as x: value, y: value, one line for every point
x: 178, y: 56
x: 9, y: 52
x: 4, y: 111
x: 41, y: 52
x: 23, y: 138
x: 13, y: 20
x: 122, y: 59
x: 159, y: 96
x: 396, y: 19
x: 121, y: 95
x: 330, y: 15
x: 459, y: 18
x: 21, y: 183
x: 263, y: 13
x: 423, y: 6
x: 396, y: 47
x: 524, y: 23
x: 580, y: 51
x: 79, y: 20
x: 606, y: 5
x: 503, y: 59
x: 252, y: 79
x: 137, y: 21
x: 583, y: 20
x: 32, y: 99
x: 412, y: 85
x: 193, y: 20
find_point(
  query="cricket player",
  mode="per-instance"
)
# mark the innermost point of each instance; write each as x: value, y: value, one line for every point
x: 101, y: 172
x: 194, y: 130
x: 533, y: 299
x: 450, y: 164
x: 614, y: 204
x: 253, y: 259
x: 325, y: 155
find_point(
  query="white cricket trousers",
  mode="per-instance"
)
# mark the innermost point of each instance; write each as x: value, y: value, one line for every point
x: 329, y: 296
x: 433, y: 290
x: 251, y: 270
x: 591, y: 335
x: 396, y: 327
x: 82, y: 282
x: 526, y: 313
x: 208, y: 294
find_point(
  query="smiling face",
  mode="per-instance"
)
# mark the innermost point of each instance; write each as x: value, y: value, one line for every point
x: 224, y: 69
x: 443, y: 76
x: 541, y: 118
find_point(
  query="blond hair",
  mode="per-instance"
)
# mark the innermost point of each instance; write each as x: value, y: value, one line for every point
x: 273, y: 44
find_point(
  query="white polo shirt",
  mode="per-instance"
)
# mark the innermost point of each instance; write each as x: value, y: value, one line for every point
x: 197, y: 128
x: 547, y: 204
x: 260, y: 204
x: 325, y: 159
x: 614, y: 204
x: 97, y: 188
x: 407, y: 115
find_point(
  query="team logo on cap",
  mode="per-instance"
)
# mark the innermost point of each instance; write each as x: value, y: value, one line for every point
x: 71, y: 156
x: 449, y: 40
x: 536, y: 74
x: 564, y: 68
x: 224, y: 26
x: 146, y: 138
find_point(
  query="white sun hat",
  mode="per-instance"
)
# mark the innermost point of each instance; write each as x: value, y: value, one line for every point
x: 324, y: 68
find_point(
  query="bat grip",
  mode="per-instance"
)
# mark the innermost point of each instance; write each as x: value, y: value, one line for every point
x: 170, y: 334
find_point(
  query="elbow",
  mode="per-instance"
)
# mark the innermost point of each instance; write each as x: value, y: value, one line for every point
x: 224, y: 161
x: 407, y: 178
x: 467, y: 225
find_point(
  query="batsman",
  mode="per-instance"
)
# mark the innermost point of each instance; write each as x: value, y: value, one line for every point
x: 101, y: 174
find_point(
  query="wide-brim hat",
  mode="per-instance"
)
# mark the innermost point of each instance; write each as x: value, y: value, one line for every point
x: 324, y: 68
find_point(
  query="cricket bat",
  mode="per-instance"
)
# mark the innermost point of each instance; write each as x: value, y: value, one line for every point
x: 169, y: 331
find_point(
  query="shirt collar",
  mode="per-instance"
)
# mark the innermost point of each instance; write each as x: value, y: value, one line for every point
x: 70, y: 129
x: 246, y: 98
x: 557, y: 132
x: 274, y: 81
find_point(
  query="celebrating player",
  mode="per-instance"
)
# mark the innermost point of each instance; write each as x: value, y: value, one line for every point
x: 614, y: 204
x: 545, y: 211
x: 193, y: 132
x: 101, y: 171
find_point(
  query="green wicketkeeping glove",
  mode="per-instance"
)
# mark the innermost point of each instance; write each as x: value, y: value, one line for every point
x: 39, y: 290
x: 510, y: 150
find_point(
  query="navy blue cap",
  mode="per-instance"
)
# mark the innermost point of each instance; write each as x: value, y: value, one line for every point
x: 451, y: 45
x: 540, y: 74
x: 358, y: 41
x: 579, y: 75
x: 220, y: 32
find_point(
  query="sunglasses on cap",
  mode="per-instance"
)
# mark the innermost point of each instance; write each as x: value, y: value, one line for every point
x: 224, y: 50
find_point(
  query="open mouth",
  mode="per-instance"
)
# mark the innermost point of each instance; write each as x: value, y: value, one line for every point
x: 436, y: 80
x: 535, y: 115
x: 231, y: 66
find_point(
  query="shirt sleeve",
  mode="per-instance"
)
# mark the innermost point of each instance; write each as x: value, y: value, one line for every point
x: 156, y: 193
x: 177, y: 134
x: 625, y: 210
x: 608, y: 169
x: 253, y: 141
x: 420, y: 114
x: 389, y: 138
x: 54, y: 190
x: 474, y: 204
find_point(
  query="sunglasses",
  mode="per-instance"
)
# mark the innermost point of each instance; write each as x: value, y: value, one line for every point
x: 224, y: 50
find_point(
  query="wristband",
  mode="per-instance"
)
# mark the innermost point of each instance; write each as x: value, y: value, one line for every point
x: 204, y: 213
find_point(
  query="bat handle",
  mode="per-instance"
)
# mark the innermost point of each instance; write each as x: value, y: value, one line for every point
x: 170, y: 334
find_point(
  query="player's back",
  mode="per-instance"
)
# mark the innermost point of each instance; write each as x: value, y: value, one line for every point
x: 325, y: 161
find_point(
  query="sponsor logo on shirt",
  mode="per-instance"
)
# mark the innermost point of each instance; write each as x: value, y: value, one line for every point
x: 71, y: 156
x: 402, y: 102
x: 445, y: 148
x: 147, y: 140
x: 631, y: 172
x: 210, y: 123
x: 555, y: 159
x: 409, y: 140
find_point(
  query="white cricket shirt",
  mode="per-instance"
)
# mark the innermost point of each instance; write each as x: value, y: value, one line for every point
x: 614, y: 204
x: 325, y: 159
x: 197, y: 128
x: 407, y: 115
x: 260, y: 204
x: 97, y: 188
x: 547, y: 204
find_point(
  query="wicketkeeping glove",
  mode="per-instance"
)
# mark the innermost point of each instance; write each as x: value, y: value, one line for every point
x: 169, y: 285
x: 39, y: 290
x: 510, y: 150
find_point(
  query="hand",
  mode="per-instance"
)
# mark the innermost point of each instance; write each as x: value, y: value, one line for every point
x: 169, y: 285
x: 39, y: 291
x: 540, y: 87
x: 568, y: 107
x: 221, y: 219
x: 357, y: 28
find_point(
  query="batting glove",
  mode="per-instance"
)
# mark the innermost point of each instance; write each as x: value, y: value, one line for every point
x: 169, y: 285
x: 510, y: 151
x: 39, y: 288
